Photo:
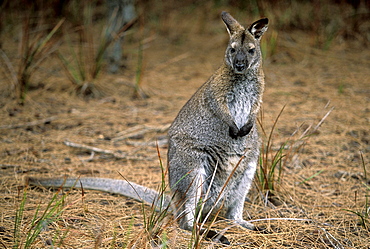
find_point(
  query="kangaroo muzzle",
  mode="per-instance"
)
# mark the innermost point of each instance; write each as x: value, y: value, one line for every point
x: 240, y: 62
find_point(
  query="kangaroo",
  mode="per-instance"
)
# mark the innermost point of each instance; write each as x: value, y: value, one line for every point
x: 216, y: 131
x: 213, y: 142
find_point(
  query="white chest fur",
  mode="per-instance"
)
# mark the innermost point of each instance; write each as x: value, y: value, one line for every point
x: 240, y: 105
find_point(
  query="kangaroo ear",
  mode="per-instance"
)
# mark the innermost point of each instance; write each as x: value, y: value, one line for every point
x: 231, y: 24
x: 259, y: 27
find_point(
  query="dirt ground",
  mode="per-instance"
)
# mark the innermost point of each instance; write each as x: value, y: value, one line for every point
x: 307, y: 80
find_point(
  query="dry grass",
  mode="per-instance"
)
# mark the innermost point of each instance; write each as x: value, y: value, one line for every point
x: 299, y: 74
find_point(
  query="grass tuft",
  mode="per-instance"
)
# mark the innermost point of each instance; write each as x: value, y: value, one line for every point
x: 271, y: 164
x: 87, y: 60
x: 35, y: 47
x: 158, y: 219
x: 364, y: 214
x: 26, y: 233
x: 274, y: 158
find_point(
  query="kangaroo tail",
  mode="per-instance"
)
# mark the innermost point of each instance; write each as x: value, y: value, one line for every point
x: 113, y: 186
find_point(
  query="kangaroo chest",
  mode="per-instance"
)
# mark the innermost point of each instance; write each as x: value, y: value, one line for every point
x: 240, y: 101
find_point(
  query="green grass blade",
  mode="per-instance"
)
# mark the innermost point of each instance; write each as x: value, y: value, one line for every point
x: 51, y: 214
x: 41, y: 45
x: 18, y: 220
x: 73, y: 76
x: 309, y: 178
x: 79, y: 71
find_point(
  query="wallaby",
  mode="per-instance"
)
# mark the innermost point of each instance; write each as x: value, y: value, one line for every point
x: 213, y: 142
x: 216, y: 131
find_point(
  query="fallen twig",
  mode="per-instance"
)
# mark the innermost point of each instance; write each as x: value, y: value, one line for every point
x: 160, y: 143
x: 29, y: 124
x: 332, y: 240
x: 323, y: 119
x: 118, y: 155
x: 139, y: 130
x: 8, y: 166
x: 95, y: 149
x: 270, y: 219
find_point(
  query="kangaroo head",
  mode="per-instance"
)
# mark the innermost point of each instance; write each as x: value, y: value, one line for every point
x: 243, y: 51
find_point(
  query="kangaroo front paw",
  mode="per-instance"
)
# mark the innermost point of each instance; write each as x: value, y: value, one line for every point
x: 233, y: 132
x: 245, y: 130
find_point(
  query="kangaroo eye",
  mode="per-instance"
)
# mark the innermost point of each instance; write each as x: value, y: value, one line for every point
x: 232, y: 50
x: 251, y: 51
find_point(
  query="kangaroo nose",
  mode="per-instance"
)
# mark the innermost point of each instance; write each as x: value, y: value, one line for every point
x: 239, y: 66
x: 239, y: 63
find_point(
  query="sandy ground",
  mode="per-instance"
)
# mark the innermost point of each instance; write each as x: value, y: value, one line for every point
x: 307, y: 80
